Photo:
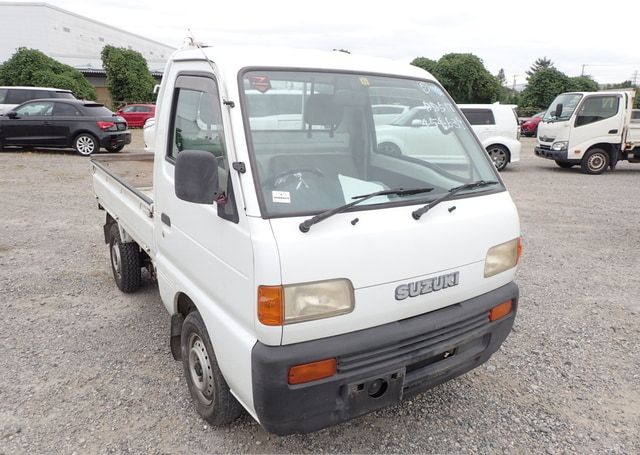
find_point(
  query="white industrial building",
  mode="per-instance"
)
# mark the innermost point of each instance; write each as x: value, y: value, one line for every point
x: 71, y: 39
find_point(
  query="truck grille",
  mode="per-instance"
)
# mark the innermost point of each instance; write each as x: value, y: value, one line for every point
x: 414, y: 349
x: 545, y: 147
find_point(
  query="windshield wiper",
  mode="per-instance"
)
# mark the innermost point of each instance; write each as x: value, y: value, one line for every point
x: 306, y: 224
x: 467, y: 186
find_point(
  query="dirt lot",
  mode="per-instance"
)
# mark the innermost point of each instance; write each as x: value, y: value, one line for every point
x: 87, y: 369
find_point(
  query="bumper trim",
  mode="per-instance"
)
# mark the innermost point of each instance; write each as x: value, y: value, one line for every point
x: 559, y: 155
x: 423, y: 351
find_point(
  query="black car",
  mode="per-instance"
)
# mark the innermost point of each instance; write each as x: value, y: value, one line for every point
x: 61, y: 123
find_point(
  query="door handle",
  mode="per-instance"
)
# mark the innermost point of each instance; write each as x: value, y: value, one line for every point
x: 165, y: 219
x: 613, y: 131
x: 46, y: 123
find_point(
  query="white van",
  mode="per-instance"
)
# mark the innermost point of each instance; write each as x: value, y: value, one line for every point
x: 310, y: 276
x: 11, y: 97
x: 497, y: 127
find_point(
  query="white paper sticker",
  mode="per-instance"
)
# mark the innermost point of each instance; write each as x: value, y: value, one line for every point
x: 281, y: 197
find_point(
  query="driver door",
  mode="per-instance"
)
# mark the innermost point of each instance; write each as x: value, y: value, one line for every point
x: 203, y: 249
x: 30, y: 126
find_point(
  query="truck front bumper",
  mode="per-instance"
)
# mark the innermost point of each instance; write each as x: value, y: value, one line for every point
x: 379, y: 366
x: 559, y: 155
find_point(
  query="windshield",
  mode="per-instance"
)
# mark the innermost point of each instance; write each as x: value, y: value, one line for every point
x: 569, y: 103
x: 316, y: 143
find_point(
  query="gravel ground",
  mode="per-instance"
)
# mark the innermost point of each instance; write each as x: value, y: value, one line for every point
x: 87, y: 369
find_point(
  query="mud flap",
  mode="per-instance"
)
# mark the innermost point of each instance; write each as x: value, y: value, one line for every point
x: 176, y: 332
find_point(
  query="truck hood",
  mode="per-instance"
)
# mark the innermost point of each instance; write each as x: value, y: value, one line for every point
x: 387, y: 248
x: 550, y: 132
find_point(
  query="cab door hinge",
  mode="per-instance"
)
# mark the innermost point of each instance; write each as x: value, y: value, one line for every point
x: 239, y: 166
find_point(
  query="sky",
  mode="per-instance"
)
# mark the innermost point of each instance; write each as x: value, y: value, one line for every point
x: 504, y: 34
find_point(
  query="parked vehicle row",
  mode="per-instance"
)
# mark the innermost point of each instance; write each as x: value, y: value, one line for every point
x: 137, y: 114
x: 63, y: 123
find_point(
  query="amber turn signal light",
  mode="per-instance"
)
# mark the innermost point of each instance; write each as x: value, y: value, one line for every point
x: 500, y: 311
x: 313, y: 371
x: 270, y: 305
x: 519, y: 250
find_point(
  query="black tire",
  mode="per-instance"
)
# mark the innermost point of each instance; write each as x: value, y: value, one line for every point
x: 595, y: 162
x: 209, y: 390
x: 125, y: 262
x: 115, y: 149
x: 499, y: 155
x: 564, y: 164
x: 86, y: 144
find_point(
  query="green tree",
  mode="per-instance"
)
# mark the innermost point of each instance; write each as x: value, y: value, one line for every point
x: 128, y: 76
x: 466, y: 79
x: 424, y: 63
x: 501, y: 78
x: 544, y: 85
x: 583, y: 84
x: 30, y: 67
x: 539, y: 64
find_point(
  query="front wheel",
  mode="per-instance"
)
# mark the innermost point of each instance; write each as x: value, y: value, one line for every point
x: 85, y: 144
x: 499, y: 155
x: 594, y: 162
x: 208, y: 388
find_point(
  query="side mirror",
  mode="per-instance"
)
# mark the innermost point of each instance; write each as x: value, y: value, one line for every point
x: 416, y: 123
x: 558, y: 111
x: 12, y: 114
x: 196, y: 176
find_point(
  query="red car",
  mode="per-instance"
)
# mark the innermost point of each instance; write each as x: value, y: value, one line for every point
x: 137, y: 114
x: 530, y: 126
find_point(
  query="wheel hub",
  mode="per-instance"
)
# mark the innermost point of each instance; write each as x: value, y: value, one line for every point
x: 200, y: 368
x: 498, y: 157
x: 116, y: 260
x: 85, y: 145
x: 596, y: 162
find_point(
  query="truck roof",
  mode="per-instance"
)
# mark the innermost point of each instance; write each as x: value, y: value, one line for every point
x: 231, y: 59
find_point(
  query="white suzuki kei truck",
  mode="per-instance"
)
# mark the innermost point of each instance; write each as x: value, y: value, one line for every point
x: 311, y: 277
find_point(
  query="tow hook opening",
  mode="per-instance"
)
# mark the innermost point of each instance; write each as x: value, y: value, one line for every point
x: 377, y: 388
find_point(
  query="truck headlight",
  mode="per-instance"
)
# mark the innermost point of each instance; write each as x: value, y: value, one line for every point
x: 502, y: 257
x: 560, y: 145
x: 317, y: 300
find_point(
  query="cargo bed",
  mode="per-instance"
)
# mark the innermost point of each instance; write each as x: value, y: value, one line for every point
x: 123, y: 185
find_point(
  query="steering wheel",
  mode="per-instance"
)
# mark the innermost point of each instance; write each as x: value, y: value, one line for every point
x: 444, y: 130
x: 277, y: 180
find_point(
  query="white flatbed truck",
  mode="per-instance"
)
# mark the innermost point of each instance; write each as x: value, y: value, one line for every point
x: 311, y: 278
x: 593, y: 130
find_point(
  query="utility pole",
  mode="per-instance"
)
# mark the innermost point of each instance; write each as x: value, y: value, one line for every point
x: 634, y: 78
x: 582, y: 72
x: 514, y: 82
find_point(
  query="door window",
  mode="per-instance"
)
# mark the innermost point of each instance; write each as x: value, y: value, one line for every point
x: 597, y: 108
x: 37, y: 108
x: 196, y: 124
x: 63, y: 109
x: 479, y: 116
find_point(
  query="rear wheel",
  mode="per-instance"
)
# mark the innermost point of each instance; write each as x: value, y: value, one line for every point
x: 125, y: 262
x: 564, y: 164
x: 85, y: 144
x: 595, y: 161
x: 208, y: 388
x: 499, y: 155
